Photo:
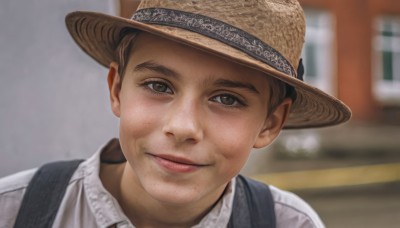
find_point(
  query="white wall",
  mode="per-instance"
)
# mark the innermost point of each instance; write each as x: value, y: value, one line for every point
x: 53, y: 97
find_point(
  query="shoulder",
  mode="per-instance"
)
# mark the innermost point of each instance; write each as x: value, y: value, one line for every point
x: 12, y: 189
x: 292, y: 211
x: 16, y: 182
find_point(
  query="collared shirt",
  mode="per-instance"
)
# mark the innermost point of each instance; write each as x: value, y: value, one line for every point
x: 88, y: 204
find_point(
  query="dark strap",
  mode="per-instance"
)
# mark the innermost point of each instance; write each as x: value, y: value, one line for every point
x: 253, y: 205
x: 44, y: 194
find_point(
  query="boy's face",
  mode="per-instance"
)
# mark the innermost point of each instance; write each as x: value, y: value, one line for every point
x: 188, y: 119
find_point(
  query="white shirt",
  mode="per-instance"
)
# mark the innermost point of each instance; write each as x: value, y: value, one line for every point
x: 88, y: 204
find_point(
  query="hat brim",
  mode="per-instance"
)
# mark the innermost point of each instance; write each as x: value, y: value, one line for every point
x: 98, y: 35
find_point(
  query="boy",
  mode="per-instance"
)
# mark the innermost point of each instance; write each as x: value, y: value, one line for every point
x: 196, y: 85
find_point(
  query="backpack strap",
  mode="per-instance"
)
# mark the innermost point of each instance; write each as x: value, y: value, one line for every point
x: 253, y: 205
x: 44, y: 194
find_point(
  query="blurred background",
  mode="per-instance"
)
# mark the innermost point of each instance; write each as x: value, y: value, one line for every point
x: 54, y: 104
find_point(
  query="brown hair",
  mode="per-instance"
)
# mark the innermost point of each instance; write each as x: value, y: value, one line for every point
x: 124, y: 48
x: 278, y: 89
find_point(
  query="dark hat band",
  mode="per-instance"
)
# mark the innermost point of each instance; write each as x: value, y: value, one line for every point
x: 218, y: 30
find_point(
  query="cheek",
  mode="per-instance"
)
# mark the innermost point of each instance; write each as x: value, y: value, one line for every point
x: 134, y: 122
x: 233, y: 157
x: 138, y: 119
x: 234, y: 141
x: 138, y: 114
x: 238, y: 133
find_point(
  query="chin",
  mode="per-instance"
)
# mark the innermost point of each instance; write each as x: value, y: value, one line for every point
x: 174, y: 194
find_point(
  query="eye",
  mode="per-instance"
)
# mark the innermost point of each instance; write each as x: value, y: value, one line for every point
x: 158, y: 87
x: 228, y: 100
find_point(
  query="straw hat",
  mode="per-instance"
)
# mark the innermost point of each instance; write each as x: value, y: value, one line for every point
x: 266, y: 35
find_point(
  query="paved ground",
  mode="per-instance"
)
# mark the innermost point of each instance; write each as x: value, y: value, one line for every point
x: 354, y: 145
x: 357, y: 207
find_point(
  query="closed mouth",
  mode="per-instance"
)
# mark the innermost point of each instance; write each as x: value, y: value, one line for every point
x: 179, y: 160
x: 175, y: 164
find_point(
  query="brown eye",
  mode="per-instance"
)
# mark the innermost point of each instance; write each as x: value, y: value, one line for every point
x: 159, y: 87
x: 228, y: 100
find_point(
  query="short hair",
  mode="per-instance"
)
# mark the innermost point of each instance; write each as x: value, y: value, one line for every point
x: 279, y: 90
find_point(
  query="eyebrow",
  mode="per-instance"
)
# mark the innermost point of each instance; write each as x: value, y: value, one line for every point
x: 155, y: 67
x: 236, y: 84
x: 158, y: 68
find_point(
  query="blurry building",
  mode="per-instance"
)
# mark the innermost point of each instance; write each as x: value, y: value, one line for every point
x: 352, y: 51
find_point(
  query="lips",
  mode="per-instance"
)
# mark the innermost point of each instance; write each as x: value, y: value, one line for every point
x: 176, y: 164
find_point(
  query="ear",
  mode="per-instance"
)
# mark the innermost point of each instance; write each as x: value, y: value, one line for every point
x: 114, y: 86
x: 273, y: 124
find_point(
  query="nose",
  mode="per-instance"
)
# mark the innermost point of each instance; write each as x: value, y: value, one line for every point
x: 183, y: 122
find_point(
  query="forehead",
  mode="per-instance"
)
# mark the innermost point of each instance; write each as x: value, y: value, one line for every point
x: 183, y: 59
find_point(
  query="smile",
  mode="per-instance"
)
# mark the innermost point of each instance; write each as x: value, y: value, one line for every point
x: 176, y: 164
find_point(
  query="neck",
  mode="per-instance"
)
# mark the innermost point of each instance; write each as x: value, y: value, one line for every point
x: 145, y: 211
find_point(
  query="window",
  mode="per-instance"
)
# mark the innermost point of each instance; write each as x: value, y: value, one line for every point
x: 317, y: 51
x: 387, y: 60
